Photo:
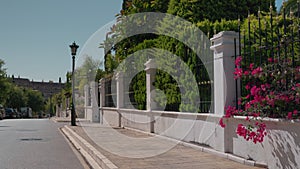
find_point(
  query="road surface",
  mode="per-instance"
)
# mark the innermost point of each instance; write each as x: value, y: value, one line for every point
x: 35, y: 144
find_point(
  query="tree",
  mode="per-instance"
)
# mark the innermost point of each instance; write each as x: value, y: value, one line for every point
x: 86, y: 72
x: 195, y: 11
x: 35, y: 100
x: 210, y: 16
x: 4, y: 83
x: 16, y: 97
x: 290, y: 7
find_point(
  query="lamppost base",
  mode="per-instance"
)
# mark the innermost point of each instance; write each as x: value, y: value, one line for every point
x: 73, y: 116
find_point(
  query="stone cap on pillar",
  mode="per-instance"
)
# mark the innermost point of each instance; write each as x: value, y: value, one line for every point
x: 150, y: 64
x: 101, y: 83
x: 119, y: 75
x: 102, y: 80
x: 222, y: 39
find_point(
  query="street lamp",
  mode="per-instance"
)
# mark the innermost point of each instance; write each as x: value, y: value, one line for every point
x: 74, y: 48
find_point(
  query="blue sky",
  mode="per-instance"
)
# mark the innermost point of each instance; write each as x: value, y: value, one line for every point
x: 35, y: 34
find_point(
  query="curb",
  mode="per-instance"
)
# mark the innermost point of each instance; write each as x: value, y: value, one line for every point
x: 90, y: 153
x: 88, y: 159
x: 207, y: 150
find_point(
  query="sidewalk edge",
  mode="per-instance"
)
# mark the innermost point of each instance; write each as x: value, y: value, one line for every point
x: 99, y: 158
x: 88, y: 159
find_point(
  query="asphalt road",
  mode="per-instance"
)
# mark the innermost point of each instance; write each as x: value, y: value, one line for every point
x: 35, y: 144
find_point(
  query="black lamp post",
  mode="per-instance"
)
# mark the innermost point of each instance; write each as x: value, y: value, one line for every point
x: 74, y: 48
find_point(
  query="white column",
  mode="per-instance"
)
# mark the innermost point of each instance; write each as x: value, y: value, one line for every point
x: 102, y: 98
x: 224, y: 84
x: 86, y: 97
x: 94, y: 101
x: 150, y: 77
x: 57, y: 111
x: 120, y: 95
x: 150, y: 68
x: 120, y: 90
x: 224, y: 67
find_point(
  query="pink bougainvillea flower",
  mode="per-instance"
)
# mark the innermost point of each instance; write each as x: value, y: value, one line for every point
x: 270, y: 92
x: 238, y: 61
x: 290, y: 115
x: 254, y: 90
x: 251, y: 66
x: 247, y: 106
x: 256, y: 71
x: 241, y: 130
x: 295, y: 112
x: 247, y: 86
x: 285, y: 98
x: 263, y: 87
x: 230, y: 111
x: 222, y: 123
x: 238, y: 73
x: 270, y: 101
x: 247, y: 118
x: 248, y: 96
x: 240, y: 101
x: 255, y: 114
x: 252, y: 134
x: 270, y: 60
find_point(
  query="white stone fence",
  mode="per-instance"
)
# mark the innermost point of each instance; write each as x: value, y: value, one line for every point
x: 281, y: 148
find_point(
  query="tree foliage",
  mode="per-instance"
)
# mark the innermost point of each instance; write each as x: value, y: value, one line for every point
x: 35, y: 100
x: 290, y: 7
x: 86, y: 73
x: 209, y: 16
x: 270, y: 40
x: 23, y: 97
x: 4, y: 83
x: 16, y: 97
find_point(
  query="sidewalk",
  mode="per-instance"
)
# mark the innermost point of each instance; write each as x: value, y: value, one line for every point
x: 130, y: 149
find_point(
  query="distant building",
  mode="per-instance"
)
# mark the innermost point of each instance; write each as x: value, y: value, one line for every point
x: 46, y: 88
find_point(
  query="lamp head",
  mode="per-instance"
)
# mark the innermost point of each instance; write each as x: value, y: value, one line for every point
x: 74, y: 48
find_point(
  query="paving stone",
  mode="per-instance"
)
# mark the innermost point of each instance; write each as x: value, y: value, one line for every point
x: 178, y: 157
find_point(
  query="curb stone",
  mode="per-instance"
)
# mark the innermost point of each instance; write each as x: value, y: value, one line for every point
x: 91, y: 151
x: 91, y: 162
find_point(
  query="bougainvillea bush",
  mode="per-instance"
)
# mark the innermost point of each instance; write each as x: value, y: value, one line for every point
x: 272, y: 90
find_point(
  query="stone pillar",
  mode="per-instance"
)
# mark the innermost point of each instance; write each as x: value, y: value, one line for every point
x: 150, y: 89
x: 120, y: 94
x: 86, y: 100
x: 223, y: 45
x: 67, y: 106
x: 150, y: 68
x: 224, y: 67
x: 102, y: 98
x: 120, y: 90
x: 94, y: 101
x: 56, y: 111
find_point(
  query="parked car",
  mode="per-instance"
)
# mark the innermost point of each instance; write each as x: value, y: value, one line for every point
x: 10, y: 113
x: 26, y: 112
x: 2, y: 112
x: 19, y: 114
